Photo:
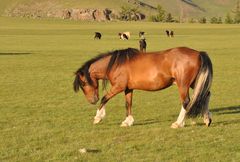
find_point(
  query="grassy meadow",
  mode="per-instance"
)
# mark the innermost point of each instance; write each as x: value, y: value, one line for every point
x: 42, y: 119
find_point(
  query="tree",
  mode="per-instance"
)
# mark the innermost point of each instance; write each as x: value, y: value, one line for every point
x: 237, y: 18
x: 169, y: 18
x: 160, y: 15
x: 219, y: 20
x: 213, y: 20
x: 237, y: 13
x: 228, y: 19
x: 203, y: 20
x: 192, y: 20
x: 128, y: 14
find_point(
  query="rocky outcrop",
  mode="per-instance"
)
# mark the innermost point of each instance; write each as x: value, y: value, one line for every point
x: 80, y: 14
x: 53, y: 10
x: 73, y: 14
x: 87, y: 14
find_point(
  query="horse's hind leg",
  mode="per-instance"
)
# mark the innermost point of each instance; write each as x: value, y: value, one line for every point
x: 184, y: 95
x: 207, y: 117
x: 129, y: 118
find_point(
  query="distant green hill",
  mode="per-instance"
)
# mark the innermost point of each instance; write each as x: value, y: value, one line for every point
x: 185, y: 9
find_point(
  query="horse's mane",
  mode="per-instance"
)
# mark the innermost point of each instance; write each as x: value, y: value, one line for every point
x: 118, y: 57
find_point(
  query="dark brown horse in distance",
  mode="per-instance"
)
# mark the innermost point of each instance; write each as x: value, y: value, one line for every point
x: 143, y: 45
x: 130, y: 69
x: 98, y: 35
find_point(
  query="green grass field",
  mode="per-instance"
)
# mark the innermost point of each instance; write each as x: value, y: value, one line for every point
x: 42, y: 119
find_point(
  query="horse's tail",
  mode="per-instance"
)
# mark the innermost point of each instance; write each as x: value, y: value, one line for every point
x: 201, y: 92
x: 76, y: 82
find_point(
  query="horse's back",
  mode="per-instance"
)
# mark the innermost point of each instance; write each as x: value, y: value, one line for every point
x: 159, y: 70
x: 169, y: 58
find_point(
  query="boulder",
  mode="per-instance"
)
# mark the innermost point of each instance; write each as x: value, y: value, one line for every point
x: 99, y: 15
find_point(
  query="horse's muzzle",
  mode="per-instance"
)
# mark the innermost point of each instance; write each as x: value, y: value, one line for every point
x: 94, y: 100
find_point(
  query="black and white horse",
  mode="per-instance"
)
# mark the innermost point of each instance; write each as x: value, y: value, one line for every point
x: 141, y: 34
x: 172, y: 33
x: 124, y: 35
x: 168, y: 33
x: 143, y: 45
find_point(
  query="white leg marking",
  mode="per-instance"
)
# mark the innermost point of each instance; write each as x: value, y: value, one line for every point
x: 99, y: 115
x: 180, y: 120
x: 128, y: 121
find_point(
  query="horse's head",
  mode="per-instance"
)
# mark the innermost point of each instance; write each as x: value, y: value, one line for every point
x: 89, y: 86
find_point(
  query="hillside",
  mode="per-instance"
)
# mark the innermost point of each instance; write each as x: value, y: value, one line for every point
x: 185, y: 9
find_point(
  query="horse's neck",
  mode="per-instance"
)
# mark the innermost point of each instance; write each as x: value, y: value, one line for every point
x: 98, y: 68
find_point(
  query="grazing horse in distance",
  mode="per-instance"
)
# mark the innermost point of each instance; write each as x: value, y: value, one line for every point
x: 168, y: 33
x: 143, y: 45
x: 97, y: 35
x: 172, y: 34
x: 128, y: 34
x: 141, y: 34
x: 130, y: 69
x: 124, y: 35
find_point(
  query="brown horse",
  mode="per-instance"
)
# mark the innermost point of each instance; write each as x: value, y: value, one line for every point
x: 130, y: 69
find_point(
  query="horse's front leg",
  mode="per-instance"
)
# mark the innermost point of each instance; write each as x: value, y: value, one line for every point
x: 129, y: 118
x: 101, y: 110
x: 101, y: 113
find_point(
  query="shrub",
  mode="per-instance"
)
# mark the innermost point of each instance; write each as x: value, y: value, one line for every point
x: 128, y: 14
x: 202, y: 20
x: 213, y: 20
x: 169, y: 18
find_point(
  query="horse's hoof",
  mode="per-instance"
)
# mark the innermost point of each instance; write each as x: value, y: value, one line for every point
x: 97, y: 120
x: 209, y: 122
x: 176, y: 125
x: 124, y: 125
x: 127, y: 122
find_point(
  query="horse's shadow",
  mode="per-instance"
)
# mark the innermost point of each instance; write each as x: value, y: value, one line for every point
x: 14, y: 53
x: 93, y: 150
x: 217, y: 111
x: 147, y: 122
x: 226, y: 122
x: 142, y: 122
x: 226, y: 110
